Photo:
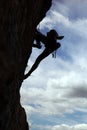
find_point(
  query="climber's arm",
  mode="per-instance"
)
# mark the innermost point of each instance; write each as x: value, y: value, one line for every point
x: 39, y: 36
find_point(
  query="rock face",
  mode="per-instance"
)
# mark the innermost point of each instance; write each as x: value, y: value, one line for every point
x: 18, y: 20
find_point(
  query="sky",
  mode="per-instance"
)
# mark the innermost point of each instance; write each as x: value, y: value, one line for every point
x: 55, y: 95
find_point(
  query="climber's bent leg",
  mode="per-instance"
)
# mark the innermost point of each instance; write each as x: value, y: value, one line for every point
x: 43, y: 55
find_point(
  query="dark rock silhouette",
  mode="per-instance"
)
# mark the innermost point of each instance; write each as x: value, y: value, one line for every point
x: 18, y: 21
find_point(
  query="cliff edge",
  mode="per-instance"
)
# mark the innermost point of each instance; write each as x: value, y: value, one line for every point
x: 18, y: 20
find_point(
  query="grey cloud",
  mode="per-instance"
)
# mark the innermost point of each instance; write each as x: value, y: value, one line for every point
x: 78, y: 92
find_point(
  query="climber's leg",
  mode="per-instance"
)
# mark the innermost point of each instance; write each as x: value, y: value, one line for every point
x: 43, y: 55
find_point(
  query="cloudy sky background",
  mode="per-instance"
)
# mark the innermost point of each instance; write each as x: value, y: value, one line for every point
x: 55, y: 95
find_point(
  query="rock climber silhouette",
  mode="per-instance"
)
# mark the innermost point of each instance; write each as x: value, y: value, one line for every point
x: 51, y: 44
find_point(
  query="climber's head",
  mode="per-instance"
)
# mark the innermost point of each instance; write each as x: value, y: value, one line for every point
x: 53, y: 34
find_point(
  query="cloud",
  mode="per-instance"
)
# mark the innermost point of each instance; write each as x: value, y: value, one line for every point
x: 66, y: 127
x: 78, y: 92
x: 74, y: 9
x: 56, y: 19
x: 56, y: 94
x: 63, y: 127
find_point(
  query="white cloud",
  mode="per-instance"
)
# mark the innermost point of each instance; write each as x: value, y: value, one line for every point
x: 51, y: 95
x: 56, y: 18
x: 66, y: 127
x: 62, y: 127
